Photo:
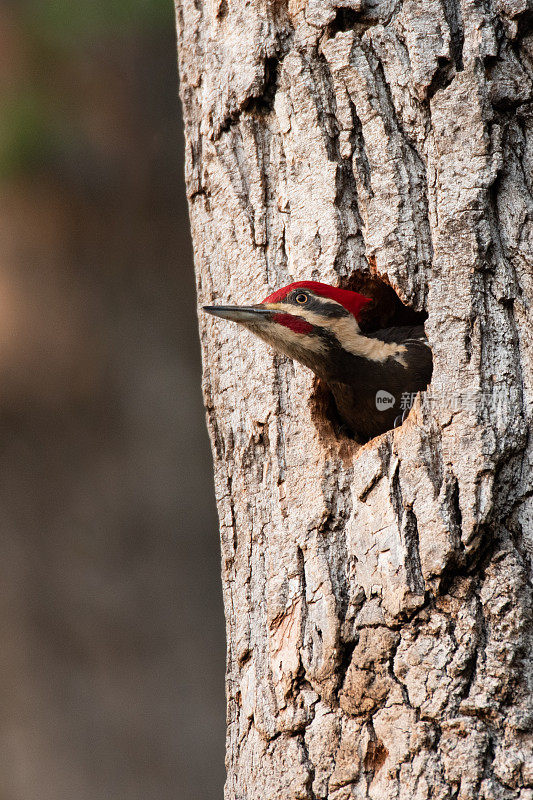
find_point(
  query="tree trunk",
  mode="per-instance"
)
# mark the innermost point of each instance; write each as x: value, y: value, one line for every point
x: 378, y: 598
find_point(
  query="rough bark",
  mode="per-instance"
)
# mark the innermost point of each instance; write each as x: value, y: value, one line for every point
x: 378, y: 598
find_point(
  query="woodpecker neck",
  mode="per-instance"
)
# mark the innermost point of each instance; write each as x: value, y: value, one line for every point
x: 334, y: 349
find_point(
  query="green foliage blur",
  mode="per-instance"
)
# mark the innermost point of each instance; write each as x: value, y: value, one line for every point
x: 38, y: 112
x: 66, y: 24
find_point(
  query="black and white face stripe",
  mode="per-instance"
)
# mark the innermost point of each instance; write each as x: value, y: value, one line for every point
x: 331, y: 322
x: 305, y: 299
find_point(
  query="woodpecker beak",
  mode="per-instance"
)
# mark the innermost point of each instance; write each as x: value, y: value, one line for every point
x: 245, y: 314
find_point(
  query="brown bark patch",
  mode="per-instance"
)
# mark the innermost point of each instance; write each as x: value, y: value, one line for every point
x: 376, y: 756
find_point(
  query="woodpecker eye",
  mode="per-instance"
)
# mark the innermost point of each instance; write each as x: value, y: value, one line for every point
x: 301, y: 298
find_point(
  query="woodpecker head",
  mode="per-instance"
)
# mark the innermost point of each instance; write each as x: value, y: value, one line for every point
x: 308, y: 321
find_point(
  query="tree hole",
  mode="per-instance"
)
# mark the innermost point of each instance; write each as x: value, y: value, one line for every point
x: 385, y: 311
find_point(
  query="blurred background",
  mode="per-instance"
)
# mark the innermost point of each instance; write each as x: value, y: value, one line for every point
x: 112, y: 635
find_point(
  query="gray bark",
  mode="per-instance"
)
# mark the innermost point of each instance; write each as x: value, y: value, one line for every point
x: 378, y: 598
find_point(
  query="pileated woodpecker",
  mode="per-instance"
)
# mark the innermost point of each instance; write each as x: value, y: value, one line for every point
x: 368, y: 374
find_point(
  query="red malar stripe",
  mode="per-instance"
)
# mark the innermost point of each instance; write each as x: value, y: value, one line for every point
x: 296, y: 324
